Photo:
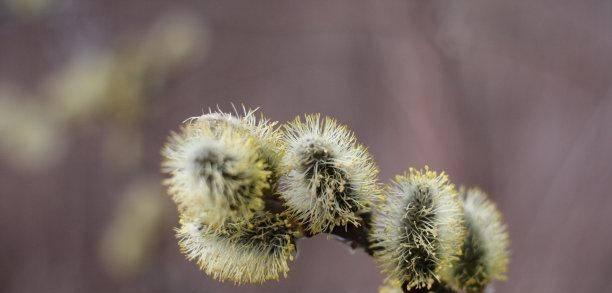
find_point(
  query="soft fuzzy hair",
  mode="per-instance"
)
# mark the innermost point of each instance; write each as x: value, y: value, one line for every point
x: 265, y: 133
x: 418, y: 230
x: 484, y: 254
x: 216, y: 170
x: 330, y: 179
x: 251, y: 251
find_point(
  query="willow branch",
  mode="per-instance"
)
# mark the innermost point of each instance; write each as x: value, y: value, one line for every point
x: 354, y: 235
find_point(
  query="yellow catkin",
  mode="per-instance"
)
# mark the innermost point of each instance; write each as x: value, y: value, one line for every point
x: 252, y: 251
x: 417, y: 230
x: 330, y: 179
x: 220, y: 165
x: 484, y: 254
x: 263, y: 131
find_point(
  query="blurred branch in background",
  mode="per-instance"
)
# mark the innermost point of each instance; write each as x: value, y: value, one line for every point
x: 108, y: 89
x: 32, y: 138
x: 28, y: 9
x: 98, y: 85
x: 133, y: 233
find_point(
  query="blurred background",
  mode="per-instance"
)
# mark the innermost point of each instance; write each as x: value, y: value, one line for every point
x: 512, y: 96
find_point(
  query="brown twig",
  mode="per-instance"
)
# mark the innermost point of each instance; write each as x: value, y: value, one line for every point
x: 356, y: 236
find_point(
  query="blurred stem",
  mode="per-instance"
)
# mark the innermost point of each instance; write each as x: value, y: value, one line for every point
x: 356, y: 236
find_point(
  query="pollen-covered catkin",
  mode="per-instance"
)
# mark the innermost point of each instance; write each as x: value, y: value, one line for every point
x: 330, y: 179
x: 418, y: 229
x: 484, y: 254
x: 247, y: 251
x: 220, y: 165
x: 264, y: 132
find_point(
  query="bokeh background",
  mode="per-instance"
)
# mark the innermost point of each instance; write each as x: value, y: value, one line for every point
x: 512, y: 96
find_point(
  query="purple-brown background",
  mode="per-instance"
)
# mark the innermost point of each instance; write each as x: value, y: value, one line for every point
x: 513, y: 96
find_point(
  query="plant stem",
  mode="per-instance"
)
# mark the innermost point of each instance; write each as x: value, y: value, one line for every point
x: 356, y: 236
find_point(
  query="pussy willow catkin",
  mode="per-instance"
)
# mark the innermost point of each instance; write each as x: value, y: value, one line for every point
x: 247, y: 251
x: 220, y: 165
x: 331, y: 179
x: 484, y: 253
x: 246, y: 190
x: 265, y: 133
x: 418, y: 231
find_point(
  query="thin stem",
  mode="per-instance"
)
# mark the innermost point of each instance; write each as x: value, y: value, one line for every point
x: 356, y: 235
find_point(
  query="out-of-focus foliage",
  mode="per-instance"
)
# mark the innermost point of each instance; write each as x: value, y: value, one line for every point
x: 33, y: 137
x: 134, y: 230
x: 98, y: 84
x: 28, y: 9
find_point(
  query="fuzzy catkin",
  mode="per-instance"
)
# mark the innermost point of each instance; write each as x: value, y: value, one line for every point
x: 330, y: 179
x: 246, y: 191
x: 484, y: 253
x: 265, y: 133
x: 417, y: 230
x: 250, y: 251
x: 220, y: 165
